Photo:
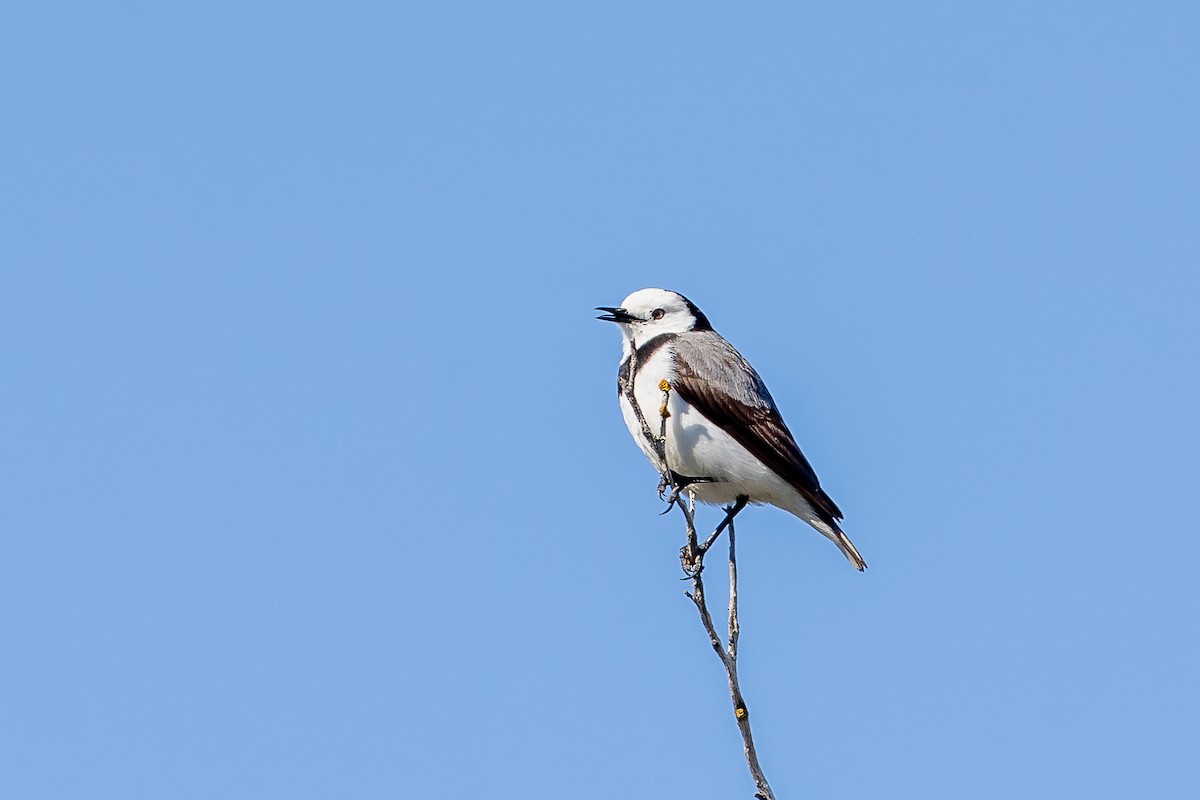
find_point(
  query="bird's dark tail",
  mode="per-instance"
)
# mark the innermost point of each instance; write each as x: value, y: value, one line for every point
x: 846, y: 546
x: 836, y: 535
x: 826, y: 525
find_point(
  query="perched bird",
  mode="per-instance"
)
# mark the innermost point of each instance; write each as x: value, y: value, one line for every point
x: 725, y: 439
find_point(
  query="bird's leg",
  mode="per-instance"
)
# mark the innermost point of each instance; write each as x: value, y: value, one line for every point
x: 730, y: 512
x: 678, y: 483
x: 691, y: 555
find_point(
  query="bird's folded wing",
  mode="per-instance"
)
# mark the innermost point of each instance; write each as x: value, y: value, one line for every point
x: 714, y: 378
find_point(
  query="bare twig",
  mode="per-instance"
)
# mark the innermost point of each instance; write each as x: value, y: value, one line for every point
x: 734, y: 630
x: 727, y: 653
x: 692, y: 558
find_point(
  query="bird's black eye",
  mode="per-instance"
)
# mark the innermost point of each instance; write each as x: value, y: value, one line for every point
x: 657, y: 313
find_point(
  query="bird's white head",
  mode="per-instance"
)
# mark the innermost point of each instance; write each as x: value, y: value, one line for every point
x: 651, y: 312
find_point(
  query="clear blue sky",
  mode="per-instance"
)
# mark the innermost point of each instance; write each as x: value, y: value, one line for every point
x: 314, y: 482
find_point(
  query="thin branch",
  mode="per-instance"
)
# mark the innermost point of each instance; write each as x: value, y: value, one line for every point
x: 692, y: 558
x: 727, y: 654
x: 739, y: 703
x: 697, y: 593
x: 734, y: 629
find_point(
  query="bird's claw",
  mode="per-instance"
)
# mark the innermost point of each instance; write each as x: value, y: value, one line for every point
x: 668, y: 482
x: 671, y: 500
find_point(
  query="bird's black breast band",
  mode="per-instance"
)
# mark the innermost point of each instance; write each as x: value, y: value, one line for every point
x: 641, y: 354
x: 626, y: 377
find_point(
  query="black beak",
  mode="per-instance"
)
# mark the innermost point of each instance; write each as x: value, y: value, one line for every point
x: 616, y: 315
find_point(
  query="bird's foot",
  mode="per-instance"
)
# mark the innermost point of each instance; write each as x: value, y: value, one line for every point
x: 664, y: 483
x: 677, y: 484
x: 672, y: 500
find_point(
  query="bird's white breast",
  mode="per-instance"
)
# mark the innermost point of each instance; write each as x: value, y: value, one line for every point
x: 696, y: 446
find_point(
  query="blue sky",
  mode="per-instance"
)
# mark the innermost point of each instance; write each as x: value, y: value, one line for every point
x: 314, y: 483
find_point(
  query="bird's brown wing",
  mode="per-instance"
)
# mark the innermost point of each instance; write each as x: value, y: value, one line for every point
x: 714, y: 378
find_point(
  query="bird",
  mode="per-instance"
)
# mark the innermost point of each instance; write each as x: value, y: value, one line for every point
x: 725, y: 441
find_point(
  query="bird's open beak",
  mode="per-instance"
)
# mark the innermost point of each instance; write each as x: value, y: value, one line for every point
x: 615, y: 314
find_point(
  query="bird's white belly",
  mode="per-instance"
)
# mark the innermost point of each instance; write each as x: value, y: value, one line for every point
x: 696, y: 447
